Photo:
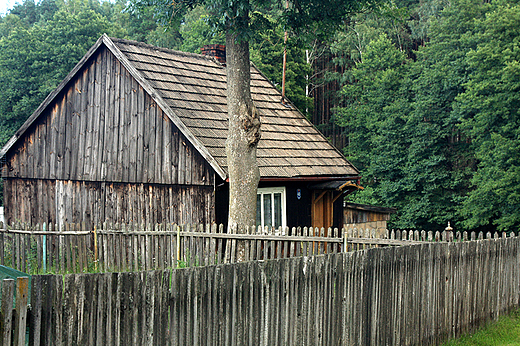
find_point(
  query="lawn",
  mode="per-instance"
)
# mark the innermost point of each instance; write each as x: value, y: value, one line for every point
x: 505, y: 331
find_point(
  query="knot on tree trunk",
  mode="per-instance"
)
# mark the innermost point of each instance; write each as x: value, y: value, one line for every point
x: 251, y: 124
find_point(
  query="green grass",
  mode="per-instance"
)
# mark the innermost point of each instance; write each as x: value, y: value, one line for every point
x: 505, y: 331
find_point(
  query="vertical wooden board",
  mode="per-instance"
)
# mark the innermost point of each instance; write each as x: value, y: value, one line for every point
x: 119, y: 122
x: 41, y: 285
x: 190, y: 164
x: 80, y: 334
x: 175, y: 294
x: 90, y: 115
x: 149, y: 308
x: 35, y: 318
x: 115, y: 318
x: 106, y: 108
x: 143, y: 101
x: 299, y: 301
x: 132, y: 105
x: 103, y: 335
x: 35, y: 151
x: 227, y: 298
x: 112, y: 137
x: 127, y: 296
x: 69, y: 310
x: 181, y: 153
x: 6, y: 311
x: 174, y: 134
x: 166, y: 149
x: 164, y: 292
x: 124, y: 124
x: 22, y: 156
x: 20, y: 315
x: 158, y: 150
x: 88, y: 323
x: 150, y: 144
x: 43, y: 147
x: 53, y: 132
x: 57, y: 311
x: 69, y: 116
x: 99, y: 120
x: 82, y: 126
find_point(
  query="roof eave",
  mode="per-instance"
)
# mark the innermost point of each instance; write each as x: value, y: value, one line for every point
x: 310, y: 178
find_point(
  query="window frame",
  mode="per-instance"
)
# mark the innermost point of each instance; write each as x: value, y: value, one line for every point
x: 262, y: 191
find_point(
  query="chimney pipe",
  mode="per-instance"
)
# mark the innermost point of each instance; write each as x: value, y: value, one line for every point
x: 218, y: 51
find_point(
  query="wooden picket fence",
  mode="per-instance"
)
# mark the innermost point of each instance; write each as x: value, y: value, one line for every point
x: 49, y: 248
x: 409, y: 295
x: 359, y: 239
x: 71, y: 248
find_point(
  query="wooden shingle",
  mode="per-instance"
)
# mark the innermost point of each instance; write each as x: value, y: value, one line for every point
x: 194, y: 88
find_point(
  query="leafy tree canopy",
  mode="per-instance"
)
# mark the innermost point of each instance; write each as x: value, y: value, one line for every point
x: 490, y: 109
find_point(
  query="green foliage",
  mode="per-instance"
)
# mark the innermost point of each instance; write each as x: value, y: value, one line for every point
x: 34, y: 59
x: 402, y: 122
x: 267, y: 50
x: 196, y: 31
x: 490, y: 108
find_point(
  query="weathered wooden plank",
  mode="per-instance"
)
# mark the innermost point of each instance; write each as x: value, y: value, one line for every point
x: 159, y: 155
x: 6, y: 311
x: 90, y: 123
x: 150, y: 143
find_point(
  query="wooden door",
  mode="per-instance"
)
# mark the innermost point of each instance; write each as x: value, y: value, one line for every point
x: 322, y: 208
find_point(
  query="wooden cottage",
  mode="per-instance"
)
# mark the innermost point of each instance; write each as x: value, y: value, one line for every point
x: 136, y: 133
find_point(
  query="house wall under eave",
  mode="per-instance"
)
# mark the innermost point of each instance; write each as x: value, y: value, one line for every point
x: 58, y: 201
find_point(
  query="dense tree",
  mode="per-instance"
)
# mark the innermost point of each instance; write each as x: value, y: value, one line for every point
x: 35, y: 58
x: 490, y: 107
x: 426, y: 162
x: 440, y: 157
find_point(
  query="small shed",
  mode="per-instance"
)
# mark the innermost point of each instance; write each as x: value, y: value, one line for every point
x: 136, y: 134
x: 362, y: 216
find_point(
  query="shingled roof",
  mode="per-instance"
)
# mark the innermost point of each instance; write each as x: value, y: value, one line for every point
x: 193, y: 89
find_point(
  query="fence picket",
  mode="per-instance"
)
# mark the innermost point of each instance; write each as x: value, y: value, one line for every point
x: 6, y: 311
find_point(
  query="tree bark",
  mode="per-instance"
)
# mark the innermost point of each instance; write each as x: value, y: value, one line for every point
x: 243, y: 136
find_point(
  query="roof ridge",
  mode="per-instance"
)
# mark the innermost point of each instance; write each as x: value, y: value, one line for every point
x: 165, y: 50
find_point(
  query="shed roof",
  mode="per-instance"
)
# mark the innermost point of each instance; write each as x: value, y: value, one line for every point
x: 191, y: 90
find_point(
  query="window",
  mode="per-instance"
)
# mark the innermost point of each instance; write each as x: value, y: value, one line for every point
x: 270, y: 207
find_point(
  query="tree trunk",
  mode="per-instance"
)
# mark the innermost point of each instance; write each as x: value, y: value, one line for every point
x: 243, y: 136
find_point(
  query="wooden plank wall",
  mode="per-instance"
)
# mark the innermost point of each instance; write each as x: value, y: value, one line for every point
x: 34, y: 200
x: 104, y: 151
x: 104, y: 127
x: 410, y: 295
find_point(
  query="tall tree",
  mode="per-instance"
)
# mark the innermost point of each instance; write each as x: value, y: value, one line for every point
x: 490, y: 109
x: 241, y: 20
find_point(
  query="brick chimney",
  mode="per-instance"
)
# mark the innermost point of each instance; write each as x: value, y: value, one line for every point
x: 218, y: 51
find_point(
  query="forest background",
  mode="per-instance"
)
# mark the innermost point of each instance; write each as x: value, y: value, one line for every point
x: 425, y: 94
